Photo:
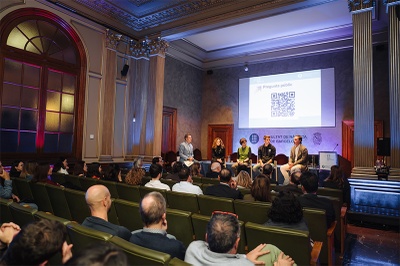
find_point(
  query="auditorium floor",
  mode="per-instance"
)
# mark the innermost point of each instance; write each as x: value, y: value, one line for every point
x: 371, y: 245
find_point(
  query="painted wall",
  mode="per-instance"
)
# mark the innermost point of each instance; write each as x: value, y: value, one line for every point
x: 183, y: 91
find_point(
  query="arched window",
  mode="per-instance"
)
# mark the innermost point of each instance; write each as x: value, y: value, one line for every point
x: 42, y: 91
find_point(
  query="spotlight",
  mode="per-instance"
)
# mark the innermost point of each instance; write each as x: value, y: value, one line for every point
x: 246, y: 68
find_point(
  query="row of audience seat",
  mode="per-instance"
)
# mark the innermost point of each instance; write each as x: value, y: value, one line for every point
x: 70, y: 204
x: 184, y: 225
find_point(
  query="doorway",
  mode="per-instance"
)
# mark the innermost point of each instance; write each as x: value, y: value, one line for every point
x: 223, y: 131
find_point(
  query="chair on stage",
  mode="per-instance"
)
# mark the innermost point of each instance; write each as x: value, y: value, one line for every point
x: 197, y: 155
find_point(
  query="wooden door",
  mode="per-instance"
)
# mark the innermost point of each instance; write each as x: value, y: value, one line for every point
x: 348, y: 139
x: 223, y: 131
x: 168, y: 130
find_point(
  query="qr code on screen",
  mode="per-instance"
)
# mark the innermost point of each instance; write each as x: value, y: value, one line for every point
x: 283, y: 104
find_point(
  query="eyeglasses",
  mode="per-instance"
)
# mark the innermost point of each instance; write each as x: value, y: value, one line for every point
x: 225, y: 213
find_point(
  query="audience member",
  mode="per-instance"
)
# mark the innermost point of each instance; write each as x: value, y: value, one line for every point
x: 222, y: 241
x: 43, y: 174
x: 185, y: 185
x: 218, y: 151
x: 293, y: 185
x: 286, y: 212
x: 158, y: 160
x: 337, y: 180
x: 215, y: 169
x: 154, y: 235
x: 267, y: 170
x: 244, y: 155
x: 260, y: 189
x: 98, y: 198
x: 196, y: 169
x: 266, y: 154
x: 113, y: 173
x: 186, y: 150
x: 61, y: 166
x: 29, y: 170
x: 155, y: 174
x: 36, y: 243
x: 135, y: 175
x: 6, y: 190
x: 176, y: 168
x: 309, y: 186
x: 7, y: 233
x: 298, y: 158
x: 16, y: 168
x: 227, y: 187
x: 94, y: 171
x: 99, y: 254
x: 243, y: 180
x: 80, y: 169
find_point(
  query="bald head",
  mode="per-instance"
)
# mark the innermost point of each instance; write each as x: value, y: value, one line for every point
x: 95, y: 196
x: 152, y: 208
x: 216, y: 167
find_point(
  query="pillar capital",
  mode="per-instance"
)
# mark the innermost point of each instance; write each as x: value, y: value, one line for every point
x: 112, y: 39
x: 360, y: 5
x: 148, y: 47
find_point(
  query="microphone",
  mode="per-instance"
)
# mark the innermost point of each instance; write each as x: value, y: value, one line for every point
x: 335, y: 146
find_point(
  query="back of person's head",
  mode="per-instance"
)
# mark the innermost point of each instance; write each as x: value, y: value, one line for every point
x: 260, y: 188
x: 57, y: 166
x: 79, y: 168
x: 216, y: 167
x: 35, y: 243
x: 176, y: 168
x: 184, y: 174
x: 286, y: 209
x: 309, y: 181
x: 138, y: 162
x: 152, y: 208
x: 156, y: 159
x: 225, y: 175
x: 113, y: 172
x: 31, y: 167
x: 336, y: 175
x: 93, y: 170
x: 222, y: 232
x: 243, y: 179
x: 195, y: 168
x: 99, y: 254
x: 95, y: 195
x: 155, y: 170
x: 295, y: 176
x: 267, y: 169
x: 42, y: 172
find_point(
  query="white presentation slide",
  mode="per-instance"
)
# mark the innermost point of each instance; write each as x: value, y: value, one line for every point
x: 291, y: 100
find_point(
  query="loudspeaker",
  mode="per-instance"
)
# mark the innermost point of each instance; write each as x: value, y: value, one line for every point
x: 398, y: 12
x: 383, y: 147
x: 124, y: 70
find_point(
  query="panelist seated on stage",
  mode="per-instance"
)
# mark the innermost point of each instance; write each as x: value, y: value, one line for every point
x: 244, y: 155
x: 218, y: 151
x: 298, y: 159
x: 186, y: 155
x: 266, y: 154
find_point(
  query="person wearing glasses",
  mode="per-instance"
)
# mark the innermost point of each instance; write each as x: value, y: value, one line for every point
x: 222, y: 241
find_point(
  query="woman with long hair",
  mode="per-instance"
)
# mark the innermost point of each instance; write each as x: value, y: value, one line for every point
x: 260, y: 189
x: 243, y: 180
x: 80, y: 168
x: 196, y: 169
x: 43, y: 174
x: 218, y: 151
x: 337, y: 180
x: 94, y: 171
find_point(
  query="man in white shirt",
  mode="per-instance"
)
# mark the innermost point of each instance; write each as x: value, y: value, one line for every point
x: 155, y: 173
x: 185, y: 185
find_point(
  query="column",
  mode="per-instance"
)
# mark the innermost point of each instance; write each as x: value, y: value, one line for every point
x: 108, y: 96
x: 394, y: 81
x: 363, y: 83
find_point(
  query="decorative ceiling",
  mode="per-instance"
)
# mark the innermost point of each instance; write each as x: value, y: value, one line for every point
x: 220, y: 33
